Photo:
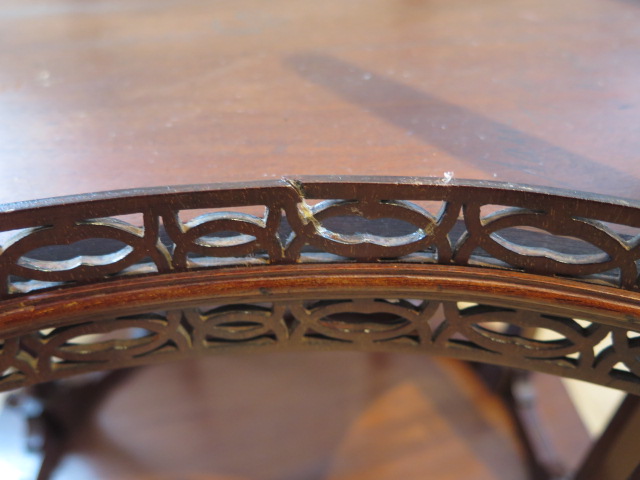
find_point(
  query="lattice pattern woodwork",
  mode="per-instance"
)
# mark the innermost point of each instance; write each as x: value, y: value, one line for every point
x: 586, y: 350
x: 572, y: 236
x: 50, y: 245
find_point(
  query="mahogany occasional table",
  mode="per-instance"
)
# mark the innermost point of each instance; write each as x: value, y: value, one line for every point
x: 478, y: 152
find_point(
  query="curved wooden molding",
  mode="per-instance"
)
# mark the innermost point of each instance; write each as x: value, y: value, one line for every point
x: 385, y: 264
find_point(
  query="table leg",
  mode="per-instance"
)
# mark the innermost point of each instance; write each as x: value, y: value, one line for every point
x: 616, y: 454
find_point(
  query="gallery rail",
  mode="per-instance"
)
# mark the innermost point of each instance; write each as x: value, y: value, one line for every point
x: 467, y: 269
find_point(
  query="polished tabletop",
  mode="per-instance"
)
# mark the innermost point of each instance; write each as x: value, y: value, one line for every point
x: 113, y: 94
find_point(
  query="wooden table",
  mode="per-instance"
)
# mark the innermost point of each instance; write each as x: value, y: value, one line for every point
x: 112, y: 95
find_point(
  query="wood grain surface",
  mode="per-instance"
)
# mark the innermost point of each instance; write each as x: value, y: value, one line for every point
x: 117, y: 94
x: 114, y: 94
x: 303, y: 416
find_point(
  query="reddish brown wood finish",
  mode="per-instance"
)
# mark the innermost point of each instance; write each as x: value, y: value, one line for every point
x: 616, y: 454
x: 123, y: 94
x: 231, y: 280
